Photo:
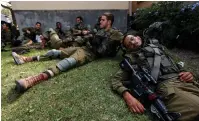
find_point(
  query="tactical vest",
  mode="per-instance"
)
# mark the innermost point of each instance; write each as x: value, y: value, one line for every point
x: 158, y: 63
x: 80, y: 26
x: 103, y: 45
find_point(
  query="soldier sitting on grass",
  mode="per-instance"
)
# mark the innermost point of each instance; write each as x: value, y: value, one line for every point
x: 104, y: 44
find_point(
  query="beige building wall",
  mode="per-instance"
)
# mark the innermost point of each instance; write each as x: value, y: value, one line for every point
x: 141, y: 4
x: 68, y: 5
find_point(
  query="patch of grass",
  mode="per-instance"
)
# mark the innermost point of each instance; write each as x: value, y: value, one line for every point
x: 81, y: 94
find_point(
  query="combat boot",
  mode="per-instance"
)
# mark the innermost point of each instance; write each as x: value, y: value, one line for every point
x: 24, y: 84
x: 22, y: 59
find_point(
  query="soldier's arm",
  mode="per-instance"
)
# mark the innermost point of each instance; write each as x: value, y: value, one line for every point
x: 27, y: 28
x: 76, y: 32
x: 134, y: 105
x: 117, y: 36
x: 116, y: 82
x: 88, y: 29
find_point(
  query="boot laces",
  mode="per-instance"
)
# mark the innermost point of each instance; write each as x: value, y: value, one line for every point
x: 33, y: 80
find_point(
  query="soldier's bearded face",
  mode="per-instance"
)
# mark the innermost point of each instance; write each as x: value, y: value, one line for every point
x: 58, y: 25
x: 37, y: 26
x: 132, y: 42
x: 78, y: 20
x: 103, y: 22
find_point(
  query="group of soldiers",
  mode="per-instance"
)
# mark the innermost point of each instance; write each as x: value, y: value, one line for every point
x: 34, y: 37
x: 176, y: 86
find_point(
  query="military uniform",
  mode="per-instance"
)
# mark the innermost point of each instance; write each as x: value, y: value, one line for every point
x: 60, y: 33
x: 32, y: 36
x: 78, y: 38
x: 80, y: 26
x: 5, y: 37
x: 107, y: 41
x: 178, y: 96
x: 55, y: 42
x: 72, y: 38
x: 88, y: 53
x: 28, y: 40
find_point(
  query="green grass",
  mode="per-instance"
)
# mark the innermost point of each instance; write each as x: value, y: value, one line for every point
x: 81, y: 94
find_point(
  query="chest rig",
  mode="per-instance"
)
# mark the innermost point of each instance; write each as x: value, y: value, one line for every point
x: 102, y: 44
x: 158, y: 63
x: 100, y: 38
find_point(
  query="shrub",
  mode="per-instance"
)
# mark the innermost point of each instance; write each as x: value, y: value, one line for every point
x: 183, y: 31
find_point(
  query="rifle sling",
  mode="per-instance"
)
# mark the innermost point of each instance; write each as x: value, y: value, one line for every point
x: 156, y: 63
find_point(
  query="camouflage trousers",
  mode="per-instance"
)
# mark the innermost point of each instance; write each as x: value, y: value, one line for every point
x: 181, y: 97
x: 55, y: 42
x: 81, y: 54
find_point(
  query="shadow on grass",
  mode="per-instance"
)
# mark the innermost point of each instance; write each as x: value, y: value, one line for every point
x: 13, y: 95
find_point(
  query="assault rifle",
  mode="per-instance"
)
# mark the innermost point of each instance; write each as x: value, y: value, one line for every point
x: 142, y: 85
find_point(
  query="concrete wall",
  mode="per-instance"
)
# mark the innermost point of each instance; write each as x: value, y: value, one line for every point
x: 48, y: 18
x: 48, y: 13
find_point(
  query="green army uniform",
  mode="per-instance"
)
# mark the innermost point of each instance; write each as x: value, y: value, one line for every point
x: 60, y: 33
x: 84, y: 54
x: 32, y: 35
x: 78, y: 38
x: 29, y: 40
x: 178, y: 96
x: 6, y: 37
x: 71, y: 57
x: 80, y: 26
x: 55, y: 42
x: 53, y: 39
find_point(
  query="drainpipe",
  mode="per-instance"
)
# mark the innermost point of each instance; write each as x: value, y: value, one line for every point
x: 130, y: 8
x: 129, y: 20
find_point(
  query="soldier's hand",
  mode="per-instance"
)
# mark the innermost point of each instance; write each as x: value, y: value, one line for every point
x: 186, y: 76
x: 41, y: 37
x: 27, y: 31
x: 134, y: 105
x: 84, y: 32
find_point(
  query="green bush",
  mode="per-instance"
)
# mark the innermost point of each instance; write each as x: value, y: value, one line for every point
x: 183, y: 22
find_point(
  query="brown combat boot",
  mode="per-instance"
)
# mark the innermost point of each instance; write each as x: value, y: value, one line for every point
x: 22, y: 59
x: 24, y: 84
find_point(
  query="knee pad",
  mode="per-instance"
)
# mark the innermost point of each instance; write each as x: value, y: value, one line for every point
x: 53, y: 53
x: 66, y: 64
